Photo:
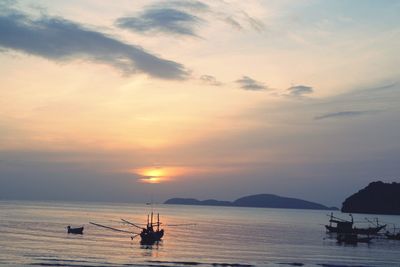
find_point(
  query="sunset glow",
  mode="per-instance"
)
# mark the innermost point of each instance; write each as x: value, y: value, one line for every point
x: 155, y: 175
x: 224, y: 99
x: 152, y: 179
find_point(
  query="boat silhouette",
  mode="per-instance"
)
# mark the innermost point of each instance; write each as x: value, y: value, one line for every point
x: 148, y: 235
x: 78, y: 230
x: 347, y: 227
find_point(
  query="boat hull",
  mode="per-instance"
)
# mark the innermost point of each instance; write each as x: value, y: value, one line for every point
x: 393, y: 236
x: 150, y: 237
x: 369, y: 230
x: 358, y: 231
x: 76, y: 231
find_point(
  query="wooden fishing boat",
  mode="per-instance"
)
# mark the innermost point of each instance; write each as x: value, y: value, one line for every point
x: 78, y: 230
x: 345, y: 226
x: 148, y: 235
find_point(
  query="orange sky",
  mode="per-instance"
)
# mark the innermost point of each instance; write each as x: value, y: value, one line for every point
x: 232, y: 97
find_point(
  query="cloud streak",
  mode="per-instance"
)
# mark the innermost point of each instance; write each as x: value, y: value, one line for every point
x: 210, y: 80
x: 300, y: 90
x: 345, y: 114
x: 164, y: 20
x: 59, y: 39
x: 250, y: 84
x: 183, y: 18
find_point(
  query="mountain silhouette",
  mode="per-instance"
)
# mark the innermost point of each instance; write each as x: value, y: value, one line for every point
x: 377, y: 198
x: 257, y: 201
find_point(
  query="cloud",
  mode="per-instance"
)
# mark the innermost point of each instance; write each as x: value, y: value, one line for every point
x: 59, y: 39
x: 300, y: 90
x: 211, y: 80
x: 250, y: 84
x: 345, y: 114
x: 162, y: 19
x: 189, y: 4
x: 233, y: 22
x: 237, y: 18
x: 184, y: 17
x: 254, y: 23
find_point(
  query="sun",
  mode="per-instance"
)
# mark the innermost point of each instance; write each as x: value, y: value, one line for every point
x: 152, y: 175
x: 156, y: 175
x: 157, y: 172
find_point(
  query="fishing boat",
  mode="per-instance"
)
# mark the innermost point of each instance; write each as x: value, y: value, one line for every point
x: 345, y: 226
x: 78, y: 230
x: 148, y: 234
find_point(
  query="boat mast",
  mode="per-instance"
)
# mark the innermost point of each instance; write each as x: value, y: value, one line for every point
x: 158, y: 222
x: 151, y: 219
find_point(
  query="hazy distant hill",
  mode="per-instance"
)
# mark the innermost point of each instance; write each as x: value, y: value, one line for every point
x: 259, y: 201
x: 377, y: 197
x: 193, y: 201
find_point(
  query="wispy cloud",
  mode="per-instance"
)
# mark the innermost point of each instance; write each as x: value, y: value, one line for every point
x: 240, y: 20
x: 253, y: 22
x: 189, y: 4
x: 345, y: 114
x: 161, y: 19
x: 59, y: 39
x: 300, y: 90
x: 210, y: 80
x: 183, y: 18
x: 233, y: 22
x: 250, y: 84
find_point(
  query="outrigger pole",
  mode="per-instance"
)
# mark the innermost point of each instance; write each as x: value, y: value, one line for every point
x: 115, y: 229
x: 130, y: 223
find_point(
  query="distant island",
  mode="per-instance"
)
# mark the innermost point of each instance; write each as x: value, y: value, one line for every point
x: 257, y: 201
x: 376, y: 198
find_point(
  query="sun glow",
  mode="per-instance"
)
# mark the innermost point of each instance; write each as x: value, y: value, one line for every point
x: 153, y: 175
x: 156, y: 175
x: 158, y: 172
x: 152, y: 179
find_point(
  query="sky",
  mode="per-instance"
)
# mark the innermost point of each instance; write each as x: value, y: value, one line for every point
x: 139, y: 101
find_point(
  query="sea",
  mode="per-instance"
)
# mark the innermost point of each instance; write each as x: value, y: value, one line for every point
x: 34, y: 234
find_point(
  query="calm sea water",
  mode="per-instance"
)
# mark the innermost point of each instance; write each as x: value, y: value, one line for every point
x: 34, y: 234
